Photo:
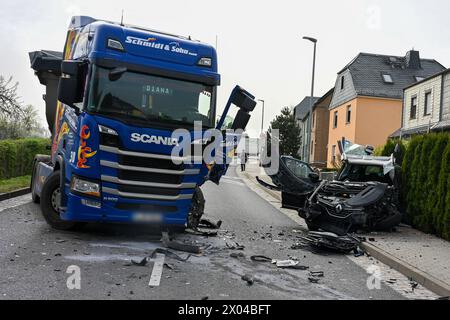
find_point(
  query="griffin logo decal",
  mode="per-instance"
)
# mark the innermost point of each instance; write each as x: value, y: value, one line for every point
x: 63, y: 131
x: 84, y: 152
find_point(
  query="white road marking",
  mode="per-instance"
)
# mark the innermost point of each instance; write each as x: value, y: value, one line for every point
x: 158, y: 265
x: 15, y: 202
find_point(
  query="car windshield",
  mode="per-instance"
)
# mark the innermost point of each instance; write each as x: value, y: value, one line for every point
x: 136, y: 97
x: 364, y: 173
x: 298, y: 168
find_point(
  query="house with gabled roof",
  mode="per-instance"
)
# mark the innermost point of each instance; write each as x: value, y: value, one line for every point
x: 366, y: 107
x: 426, y: 106
x: 301, y: 112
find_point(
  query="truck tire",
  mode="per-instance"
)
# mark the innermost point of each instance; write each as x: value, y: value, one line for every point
x: 50, y: 203
x: 197, y: 209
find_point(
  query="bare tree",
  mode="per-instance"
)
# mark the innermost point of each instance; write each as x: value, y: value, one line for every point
x: 9, y: 101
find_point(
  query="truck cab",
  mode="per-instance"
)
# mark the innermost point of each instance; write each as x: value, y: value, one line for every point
x: 114, y: 99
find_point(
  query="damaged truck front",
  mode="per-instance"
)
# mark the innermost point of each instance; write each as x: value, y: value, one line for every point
x: 364, y: 195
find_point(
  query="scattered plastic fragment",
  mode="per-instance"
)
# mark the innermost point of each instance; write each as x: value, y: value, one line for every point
x: 237, y: 255
x: 249, y: 279
x: 208, y: 224
x: 261, y: 259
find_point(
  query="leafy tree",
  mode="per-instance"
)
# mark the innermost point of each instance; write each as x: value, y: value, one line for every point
x: 289, y: 132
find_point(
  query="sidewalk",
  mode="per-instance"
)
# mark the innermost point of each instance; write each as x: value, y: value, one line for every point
x: 421, y: 257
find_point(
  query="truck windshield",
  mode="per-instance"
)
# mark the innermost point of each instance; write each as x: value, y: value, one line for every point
x: 141, y: 98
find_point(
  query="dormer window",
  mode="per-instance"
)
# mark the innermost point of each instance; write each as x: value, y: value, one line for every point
x: 387, y: 78
x: 342, y: 82
x: 418, y: 78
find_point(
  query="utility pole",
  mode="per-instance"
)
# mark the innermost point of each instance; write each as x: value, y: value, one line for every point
x: 308, y: 142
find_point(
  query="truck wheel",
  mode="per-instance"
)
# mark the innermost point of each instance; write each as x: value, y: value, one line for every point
x: 34, y: 196
x: 197, y: 209
x: 50, y: 197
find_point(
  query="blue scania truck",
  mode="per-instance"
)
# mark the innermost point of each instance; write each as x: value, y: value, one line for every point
x: 114, y: 97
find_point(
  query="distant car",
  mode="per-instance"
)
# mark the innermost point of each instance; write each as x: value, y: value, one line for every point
x: 363, y: 197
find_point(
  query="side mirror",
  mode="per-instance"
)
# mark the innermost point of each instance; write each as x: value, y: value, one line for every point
x: 70, y: 89
x: 243, y: 99
x: 241, y: 120
x: 314, y: 177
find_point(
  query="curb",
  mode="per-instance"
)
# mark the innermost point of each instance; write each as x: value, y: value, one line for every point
x: 428, y: 281
x: 431, y: 283
x: 14, y: 194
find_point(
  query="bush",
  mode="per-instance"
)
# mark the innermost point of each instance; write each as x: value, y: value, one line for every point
x: 426, y: 183
x: 16, y: 156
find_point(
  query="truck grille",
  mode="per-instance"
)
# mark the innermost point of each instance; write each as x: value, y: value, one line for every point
x: 147, y: 176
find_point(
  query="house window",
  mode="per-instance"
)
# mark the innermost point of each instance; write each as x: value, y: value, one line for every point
x: 333, y: 154
x: 335, y: 120
x: 349, y: 114
x: 413, y: 112
x: 342, y: 82
x: 427, y: 110
x: 313, y: 120
x: 387, y: 78
x: 312, y: 147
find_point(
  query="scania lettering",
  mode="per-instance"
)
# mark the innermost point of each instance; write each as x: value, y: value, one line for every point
x: 114, y: 99
x: 145, y: 138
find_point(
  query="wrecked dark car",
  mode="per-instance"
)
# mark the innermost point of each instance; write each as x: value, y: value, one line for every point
x: 364, y: 196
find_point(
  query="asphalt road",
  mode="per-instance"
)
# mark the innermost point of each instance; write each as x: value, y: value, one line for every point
x: 34, y: 258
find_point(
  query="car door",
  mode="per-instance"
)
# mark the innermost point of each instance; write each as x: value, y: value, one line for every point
x: 295, y: 178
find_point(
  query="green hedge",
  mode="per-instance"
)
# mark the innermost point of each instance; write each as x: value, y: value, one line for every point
x: 426, y: 183
x: 16, y: 156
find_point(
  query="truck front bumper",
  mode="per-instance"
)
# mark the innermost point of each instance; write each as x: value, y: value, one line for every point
x: 165, y: 213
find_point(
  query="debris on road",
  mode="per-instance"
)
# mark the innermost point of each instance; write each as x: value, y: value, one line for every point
x: 208, y: 224
x: 236, y: 246
x: 358, y: 252
x: 141, y: 263
x: 291, y: 264
x: 331, y: 241
x: 313, y: 280
x: 314, y: 276
x: 169, y: 266
x: 317, y: 274
x: 261, y: 259
x: 144, y: 261
x: 249, y: 279
x: 175, y: 245
x: 237, y: 255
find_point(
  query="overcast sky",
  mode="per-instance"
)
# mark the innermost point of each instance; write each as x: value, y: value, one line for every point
x: 260, y: 44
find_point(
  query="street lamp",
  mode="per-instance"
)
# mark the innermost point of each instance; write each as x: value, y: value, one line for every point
x: 262, y: 123
x: 308, y: 144
x: 262, y: 130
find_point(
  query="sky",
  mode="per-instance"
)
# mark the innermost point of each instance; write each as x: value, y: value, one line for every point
x: 259, y: 43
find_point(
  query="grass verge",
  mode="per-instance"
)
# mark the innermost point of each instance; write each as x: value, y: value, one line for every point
x: 13, y: 184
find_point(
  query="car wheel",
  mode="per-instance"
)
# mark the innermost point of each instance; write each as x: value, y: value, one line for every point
x: 50, y: 199
x: 311, y: 226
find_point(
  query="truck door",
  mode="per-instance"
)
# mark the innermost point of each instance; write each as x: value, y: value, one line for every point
x: 297, y: 180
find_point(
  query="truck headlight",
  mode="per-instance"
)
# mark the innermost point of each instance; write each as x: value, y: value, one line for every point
x: 85, y: 187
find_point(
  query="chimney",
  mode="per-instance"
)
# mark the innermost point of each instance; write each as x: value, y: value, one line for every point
x: 413, y: 60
